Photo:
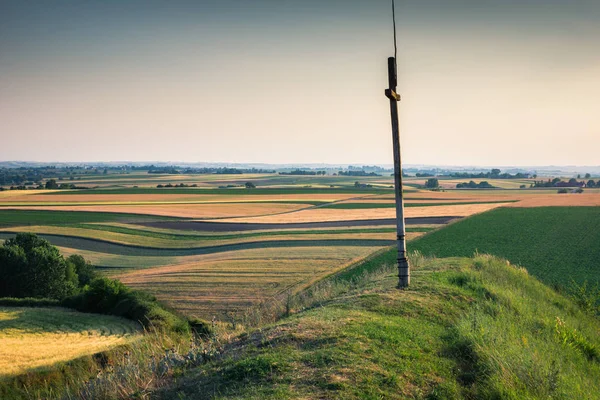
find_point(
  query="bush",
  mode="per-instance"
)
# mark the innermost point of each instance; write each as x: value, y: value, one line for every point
x: 107, y: 296
x: 28, y: 302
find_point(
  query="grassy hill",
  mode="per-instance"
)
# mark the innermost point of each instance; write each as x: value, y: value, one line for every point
x: 556, y: 244
x: 467, y: 328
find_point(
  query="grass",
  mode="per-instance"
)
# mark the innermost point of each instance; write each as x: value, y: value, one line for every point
x: 466, y: 329
x: 28, y: 217
x: 556, y: 244
x: 34, y: 338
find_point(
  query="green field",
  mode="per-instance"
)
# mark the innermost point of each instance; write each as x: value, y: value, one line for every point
x: 556, y: 244
x: 34, y: 217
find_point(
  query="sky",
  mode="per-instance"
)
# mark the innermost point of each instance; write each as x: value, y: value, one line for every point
x: 300, y: 81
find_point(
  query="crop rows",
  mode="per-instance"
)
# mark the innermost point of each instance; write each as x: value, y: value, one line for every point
x: 556, y: 244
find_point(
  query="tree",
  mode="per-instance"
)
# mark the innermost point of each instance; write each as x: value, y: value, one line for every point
x: 588, y: 176
x: 51, y: 184
x: 32, y: 267
x: 432, y: 183
x: 250, y: 185
x: 591, y: 184
x: 84, y: 269
x: 496, y: 172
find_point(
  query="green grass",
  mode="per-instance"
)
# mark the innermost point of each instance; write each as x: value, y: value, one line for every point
x: 353, y: 206
x: 556, y: 244
x: 34, y: 217
x: 466, y: 329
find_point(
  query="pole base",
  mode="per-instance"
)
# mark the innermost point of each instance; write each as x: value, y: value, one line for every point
x: 403, y: 273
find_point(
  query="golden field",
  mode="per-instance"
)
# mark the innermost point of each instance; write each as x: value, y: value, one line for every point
x: 40, y: 337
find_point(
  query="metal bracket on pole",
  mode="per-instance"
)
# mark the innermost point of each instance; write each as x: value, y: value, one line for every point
x: 390, y: 93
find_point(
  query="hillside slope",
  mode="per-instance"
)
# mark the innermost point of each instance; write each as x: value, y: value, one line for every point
x: 467, y: 328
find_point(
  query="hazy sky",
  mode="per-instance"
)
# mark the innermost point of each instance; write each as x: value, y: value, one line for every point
x: 484, y: 82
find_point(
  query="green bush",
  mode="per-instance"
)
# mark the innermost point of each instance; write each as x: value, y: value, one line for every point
x: 28, y: 302
x: 108, y: 296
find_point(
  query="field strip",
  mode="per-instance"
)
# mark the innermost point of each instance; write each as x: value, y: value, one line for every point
x: 40, y: 217
x: 229, y: 192
x: 366, y: 205
x: 122, y: 249
x: 567, y: 199
x: 204, y: 226
x: 147, y: 241
x: 8, y: 204
x: 171, y: 198
x: 40, y: 337
x: 183, y: 235
x: 328, y: 214
x: 196, y: 211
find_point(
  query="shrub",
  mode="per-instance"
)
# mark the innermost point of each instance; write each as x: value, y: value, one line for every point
x: 28, y: 302
x: 108, y: 296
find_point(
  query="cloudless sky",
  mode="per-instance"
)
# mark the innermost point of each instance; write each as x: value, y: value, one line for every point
x: 300, y: 81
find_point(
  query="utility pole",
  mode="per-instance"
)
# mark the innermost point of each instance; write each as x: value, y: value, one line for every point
x: 390, y: 93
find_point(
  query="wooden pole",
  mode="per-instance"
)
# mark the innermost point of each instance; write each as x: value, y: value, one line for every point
x: 403, y: 266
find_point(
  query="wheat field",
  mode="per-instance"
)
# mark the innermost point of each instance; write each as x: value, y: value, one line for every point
x: 41, y: 337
